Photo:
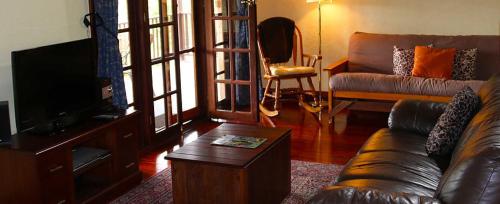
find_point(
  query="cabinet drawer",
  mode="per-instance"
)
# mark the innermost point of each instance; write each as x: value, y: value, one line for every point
x: 126, y: 168
x: 54, y: 162
x: 57, y: 190
x: 56, y: 181
x: 127, y: 149
x: 128, y: 156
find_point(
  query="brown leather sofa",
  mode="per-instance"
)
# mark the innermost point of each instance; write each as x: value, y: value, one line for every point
x: 367, y: 72
x: 393, y: 166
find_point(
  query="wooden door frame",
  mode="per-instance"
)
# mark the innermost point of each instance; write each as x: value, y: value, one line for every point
x: 251, y: 116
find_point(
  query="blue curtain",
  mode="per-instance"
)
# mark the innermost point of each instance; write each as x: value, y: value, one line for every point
x: 109, y: 58
x: 241, y: 59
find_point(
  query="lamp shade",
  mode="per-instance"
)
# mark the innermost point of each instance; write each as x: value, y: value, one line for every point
x: 320, y: 1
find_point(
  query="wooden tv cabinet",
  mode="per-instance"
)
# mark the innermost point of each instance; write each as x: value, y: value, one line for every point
x: 39, y: 168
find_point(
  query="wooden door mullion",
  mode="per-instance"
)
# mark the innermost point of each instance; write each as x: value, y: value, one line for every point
x: 177, y: 62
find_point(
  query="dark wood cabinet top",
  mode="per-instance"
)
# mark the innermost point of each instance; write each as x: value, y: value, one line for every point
x: 201, y: 150
x: 38, y: 144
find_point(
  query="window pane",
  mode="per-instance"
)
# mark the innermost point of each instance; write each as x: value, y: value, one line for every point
x: 243, y: 98
x: 170, y: 75
x: 129, y: 88
x: 122, y: 14
x: 221, y: 34
x: 159, y: 109
x: 222, y: 63
x: 172, y: 104
x: 188, y: 80
x: 166, y: 8
x: 224, y: 96
x: 242, y: 66
x: 155, y: 43
x: 185, y: 19
x: 169, y: 46
x: 157, y: 76
x: 241, y: 37
x: 220, y: 7
x: 124, y: 45
x: 154, y: 12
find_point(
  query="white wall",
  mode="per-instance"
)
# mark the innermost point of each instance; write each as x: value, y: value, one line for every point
x: 344, y: 17
x: 32, y: 23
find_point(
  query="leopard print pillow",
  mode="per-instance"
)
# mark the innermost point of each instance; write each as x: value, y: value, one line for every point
x: 445, y: 134
x: 403, y: 60
x: 464, y: 66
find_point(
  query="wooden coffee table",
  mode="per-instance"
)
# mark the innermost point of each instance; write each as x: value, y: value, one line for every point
x: 204, y: 173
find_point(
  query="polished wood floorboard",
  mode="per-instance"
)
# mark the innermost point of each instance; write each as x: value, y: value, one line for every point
x: 311, y: 141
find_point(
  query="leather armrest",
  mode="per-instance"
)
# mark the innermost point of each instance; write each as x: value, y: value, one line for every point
x: 415, y: 115
x: 337, y: 67
x: 352, y: 195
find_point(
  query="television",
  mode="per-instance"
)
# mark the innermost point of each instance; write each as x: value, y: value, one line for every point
x: 55, y: 85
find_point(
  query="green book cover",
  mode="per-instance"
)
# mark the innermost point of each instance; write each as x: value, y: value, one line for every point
x: 239, y: 141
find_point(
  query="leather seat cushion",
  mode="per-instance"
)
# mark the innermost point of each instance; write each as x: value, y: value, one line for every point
x: 384, y: 83
x: 395, y: 140
x: 409, y: 169
x: 387, y: 186
x: 290, y: 70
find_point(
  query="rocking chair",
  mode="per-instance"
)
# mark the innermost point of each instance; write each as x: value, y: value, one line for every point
x: 279, y: 40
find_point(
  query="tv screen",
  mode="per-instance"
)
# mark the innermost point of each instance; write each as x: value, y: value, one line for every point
x: 54, y: 81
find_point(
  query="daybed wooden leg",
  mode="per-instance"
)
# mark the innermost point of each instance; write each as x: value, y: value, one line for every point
x: 331, y: 104
x: 277, y: 95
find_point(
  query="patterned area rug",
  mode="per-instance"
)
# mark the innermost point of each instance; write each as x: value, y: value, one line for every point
x: 307, y: 179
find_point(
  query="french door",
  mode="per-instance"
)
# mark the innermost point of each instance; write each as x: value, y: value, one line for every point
x: 231, y: 59
x: 171, y: 62
x: 158, y: 52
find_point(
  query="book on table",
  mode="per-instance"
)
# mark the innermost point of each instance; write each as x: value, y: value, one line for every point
x: 239, y: 141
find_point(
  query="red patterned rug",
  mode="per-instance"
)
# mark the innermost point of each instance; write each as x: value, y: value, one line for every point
x: 307, y: 179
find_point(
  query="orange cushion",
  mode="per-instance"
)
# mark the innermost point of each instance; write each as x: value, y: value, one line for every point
x: 433, y: 62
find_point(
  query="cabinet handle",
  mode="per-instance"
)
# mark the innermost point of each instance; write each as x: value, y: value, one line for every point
x: 61, y: 202
x: 57, y: 168
x: 129, y: 165
x: 128, y: 135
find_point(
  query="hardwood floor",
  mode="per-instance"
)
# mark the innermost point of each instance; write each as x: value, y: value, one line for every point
x: 311, y: 141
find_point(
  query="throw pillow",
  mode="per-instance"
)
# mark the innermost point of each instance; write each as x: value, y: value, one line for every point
x: 464, y: 66
x: 445, y: 134
x: 433, y: 62
x: 403, y: 61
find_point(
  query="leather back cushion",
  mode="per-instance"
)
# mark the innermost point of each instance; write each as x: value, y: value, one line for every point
x: 473, y: 175
x: 373, y: 52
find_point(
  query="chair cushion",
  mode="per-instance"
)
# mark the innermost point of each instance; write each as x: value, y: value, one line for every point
x: 290, y: 70
x: 384, y: 83
x: 409, y: 169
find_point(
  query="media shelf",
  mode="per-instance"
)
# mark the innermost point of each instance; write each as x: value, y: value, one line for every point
x: 86, y: 158
x: 92, y: 162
